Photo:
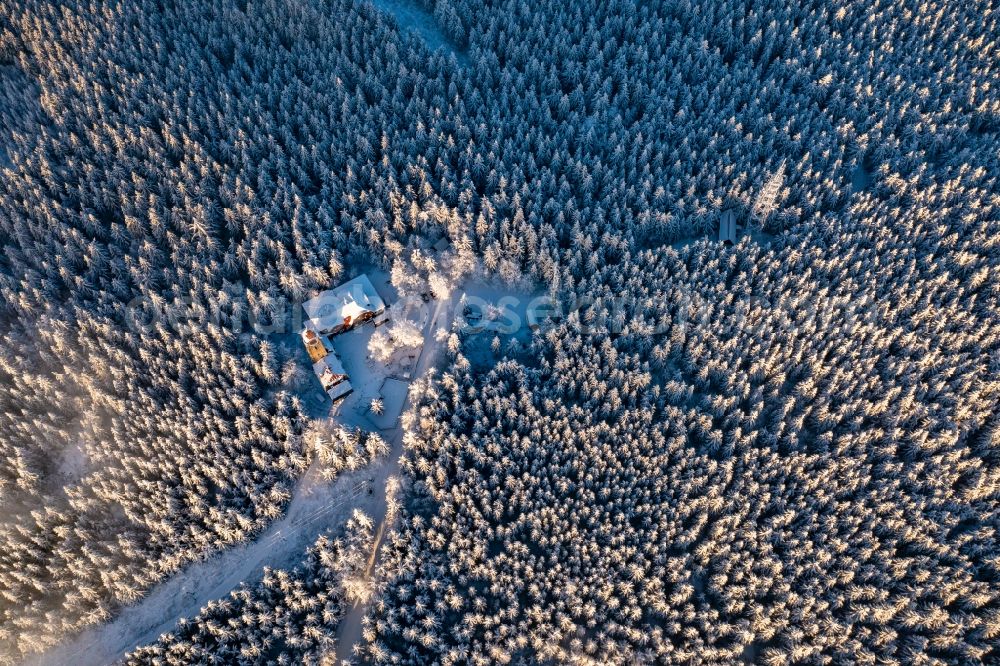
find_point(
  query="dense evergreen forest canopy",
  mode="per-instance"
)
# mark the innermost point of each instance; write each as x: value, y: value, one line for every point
x: 784, y: 450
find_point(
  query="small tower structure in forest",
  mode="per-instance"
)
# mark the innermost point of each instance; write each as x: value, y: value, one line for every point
x: 729, y: 230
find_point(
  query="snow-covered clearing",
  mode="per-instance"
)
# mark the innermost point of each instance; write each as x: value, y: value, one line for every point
x: 393, y: 393
x: 316, y: 505
x: 761, y: 237
x: 72, y: 466
x: 754, y: 232
x: 367, y: 378
x: 349, y: 629
x: 411, y: 16
x: 682, y: 243
x: 758, y: 236
x: 495, y: 323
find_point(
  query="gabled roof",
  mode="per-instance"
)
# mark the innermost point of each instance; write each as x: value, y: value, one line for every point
x: 352, y: 299
x: 332, y: 376
x: 330, y: 363
x: 340, y: 390
x: 728, y: 230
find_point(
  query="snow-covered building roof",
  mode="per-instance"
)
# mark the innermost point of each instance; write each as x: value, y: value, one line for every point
x: 728, y: 230
x: 328, y: 369
x: 337, y: 309
x: 338, y: 391
x: 332, y: 376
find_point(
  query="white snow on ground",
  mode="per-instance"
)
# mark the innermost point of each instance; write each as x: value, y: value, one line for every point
x: 393, y: 393
x: 758, y: 236
x: 761, y: 237
x: 496, y: 312
x: 860, y: 177
x: 365, y: 374
x: 411, y: 16
x: 349, y: 629
x: 73, y: 464
x: 315, y: 506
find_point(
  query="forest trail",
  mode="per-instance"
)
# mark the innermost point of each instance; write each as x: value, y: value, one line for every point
x: 350, y: 626
x: 315, y: 506
x: 411, y: 16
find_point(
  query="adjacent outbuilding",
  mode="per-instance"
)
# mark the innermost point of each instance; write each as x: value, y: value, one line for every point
x: 728, y: 228
x: 330, y: 313
x: 332, y: 376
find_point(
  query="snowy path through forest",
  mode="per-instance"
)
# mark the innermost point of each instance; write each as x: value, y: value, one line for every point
x: 350, y: 626
x: 315, y: 506
x: 517, y: 301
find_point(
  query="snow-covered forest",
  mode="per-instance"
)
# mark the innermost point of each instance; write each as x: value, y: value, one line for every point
x: 287, y: 618
x: 784, y: 450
